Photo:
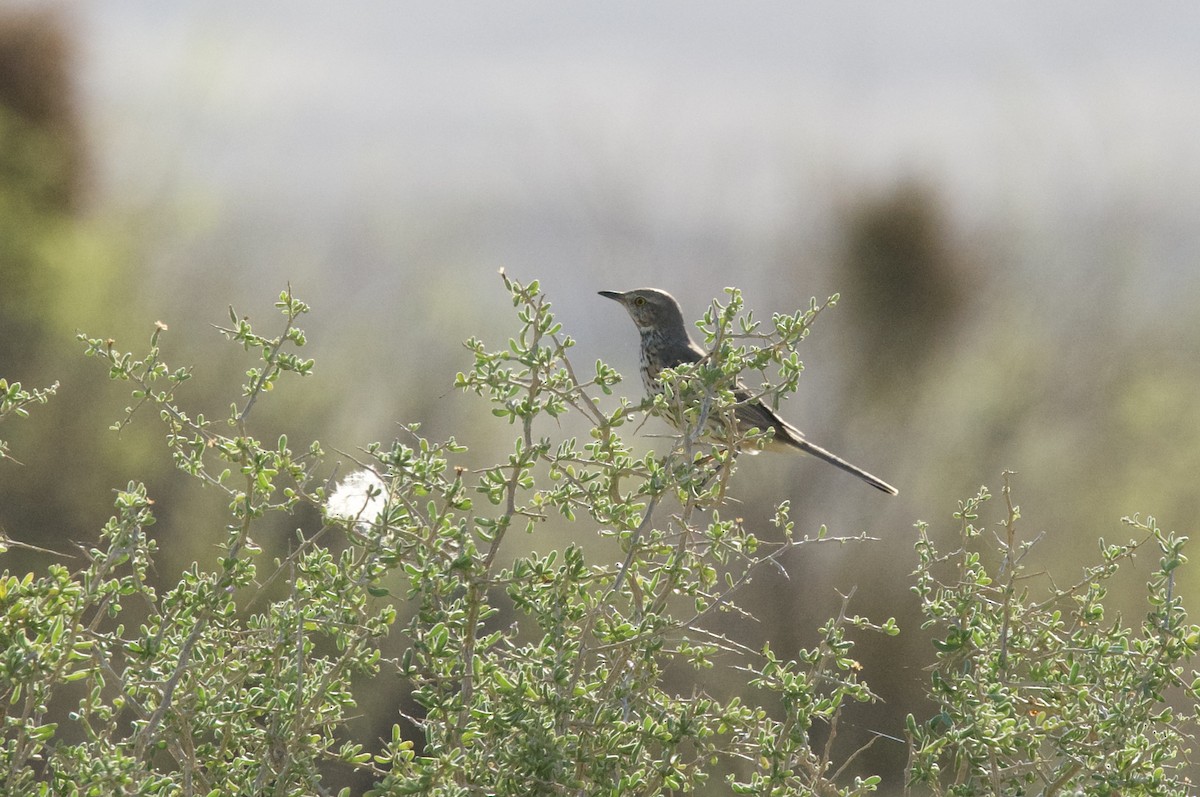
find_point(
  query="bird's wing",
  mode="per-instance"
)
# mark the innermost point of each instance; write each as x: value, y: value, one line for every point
x: 752, y: 412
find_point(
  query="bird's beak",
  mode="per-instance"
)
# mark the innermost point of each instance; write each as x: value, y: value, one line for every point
x: 615, y: 295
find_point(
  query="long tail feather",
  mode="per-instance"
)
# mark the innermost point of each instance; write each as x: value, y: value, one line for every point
x: 797, y: 440
x: 756, y: 414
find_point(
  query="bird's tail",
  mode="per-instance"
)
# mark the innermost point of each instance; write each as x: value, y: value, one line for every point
x: 796, y: 438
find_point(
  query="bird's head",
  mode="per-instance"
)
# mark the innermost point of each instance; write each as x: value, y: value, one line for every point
x: 650, y: 309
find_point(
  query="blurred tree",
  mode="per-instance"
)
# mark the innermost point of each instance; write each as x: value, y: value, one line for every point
x: 58, y: 270
x: 41, y: 171
x: 36, y: 60
x: 905, y: 281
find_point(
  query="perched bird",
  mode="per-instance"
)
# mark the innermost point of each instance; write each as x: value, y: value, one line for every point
x: 667, y: 344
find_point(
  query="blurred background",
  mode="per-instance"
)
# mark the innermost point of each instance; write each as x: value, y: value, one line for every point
x: 1005, y: 195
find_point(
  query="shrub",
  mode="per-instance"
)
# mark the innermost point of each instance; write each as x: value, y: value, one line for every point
x: 1039, y: 691
x: 541, y: 673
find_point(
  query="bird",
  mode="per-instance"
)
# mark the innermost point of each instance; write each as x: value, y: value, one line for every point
x: 665, y: 343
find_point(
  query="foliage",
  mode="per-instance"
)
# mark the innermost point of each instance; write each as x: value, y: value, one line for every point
x: 530, y: 673
x: 1043, y: 693
x: 15, y: 400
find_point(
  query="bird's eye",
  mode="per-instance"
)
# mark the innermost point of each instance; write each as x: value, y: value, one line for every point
x: 639, y: 301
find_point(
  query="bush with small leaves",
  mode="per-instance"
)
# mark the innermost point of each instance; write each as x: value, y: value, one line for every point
x: 1043, y: 693
x: 535, y: 673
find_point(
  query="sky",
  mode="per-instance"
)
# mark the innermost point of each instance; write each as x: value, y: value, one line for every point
x: 556, y: 121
